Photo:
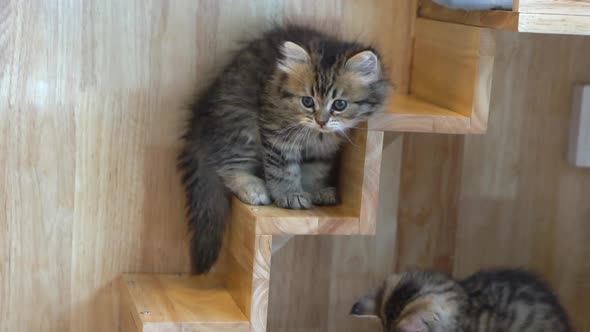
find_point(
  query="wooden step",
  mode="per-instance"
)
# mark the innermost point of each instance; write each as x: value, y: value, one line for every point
x: 536, y: 16
x: 246, y: 259
x: 170, y: 303
x: 359, y: 186
x: 451, y: 97
x: 234, y: 297
x: 408, y: 113
x: 451, y: 79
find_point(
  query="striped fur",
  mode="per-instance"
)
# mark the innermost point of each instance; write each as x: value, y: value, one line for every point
x: 252, y: 134
x: 488, y: 301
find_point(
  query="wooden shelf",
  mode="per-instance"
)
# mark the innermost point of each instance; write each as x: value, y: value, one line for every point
x: 535, y: 16
x: 451, y: 78
x: 235, y: 295
x: 411, y: 114
x: 321, y: 220
x: 359, y: 185
x: 164, y: 303
x: 449, y: 93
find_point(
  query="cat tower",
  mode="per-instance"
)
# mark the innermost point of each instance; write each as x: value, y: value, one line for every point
x: 450, y: 92
x: 451, y: 75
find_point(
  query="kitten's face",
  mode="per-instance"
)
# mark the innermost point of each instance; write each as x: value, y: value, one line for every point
x: 414, y: 302
x: 329, y: 96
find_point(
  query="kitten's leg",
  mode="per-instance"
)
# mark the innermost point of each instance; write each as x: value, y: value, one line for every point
x: 283, y: 178
x: 316, y: 177
x: 238, y: 162
x: 249, y: 188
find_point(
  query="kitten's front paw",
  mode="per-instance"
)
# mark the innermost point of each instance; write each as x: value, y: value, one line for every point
x: 295, y: 201
x: 326, y: 196
x: 254, y: 194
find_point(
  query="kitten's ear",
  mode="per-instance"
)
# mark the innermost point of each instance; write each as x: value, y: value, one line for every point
x: 293, y: 56
x: 367, y: 305
x: 423, y: 315
x: 412, y: 323
x: 365, y: 65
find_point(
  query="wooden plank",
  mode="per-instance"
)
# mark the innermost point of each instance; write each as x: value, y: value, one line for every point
x: 261, y: 283
x: 446, y: 70
x: 428, y: 207
x: 272, y: 220
x: 530, y: 200
x: 554, y: 24
x: 548, y: 17
x: 315, y: 294
x: 359, y: 177
x: 494, y: 19
x: 88, y: 185
x: 127, y: 322
x: 564, y: 7
x: 166, y: 303
x: 369, y: 178
x: 451, y: 82
x: 128, y: 207
x: 247, y: 260
x: 352, y: 171
x: 359, y: 263
x: 519, y: 200
x: 37, y: 164
x: 299, y: 285
x: 482, y: 86
x: 400, y: 104
x: 359, y: 182
x: 411, y: 114
x: 239, y: 254
x: 312, y: 292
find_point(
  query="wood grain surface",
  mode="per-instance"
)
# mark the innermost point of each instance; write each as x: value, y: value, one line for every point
x: 179, y: 303
x: 91, y: 105
x: 568, y: 17
x: 516, y: 202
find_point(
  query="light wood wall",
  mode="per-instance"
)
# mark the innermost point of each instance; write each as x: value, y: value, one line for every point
x: 507, y: 198
x: 91, y: 97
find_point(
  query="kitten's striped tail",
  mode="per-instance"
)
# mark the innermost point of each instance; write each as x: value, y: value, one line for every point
x: 208, y: 204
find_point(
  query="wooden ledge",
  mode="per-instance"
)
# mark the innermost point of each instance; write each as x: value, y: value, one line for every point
x: 451, y: 77
x: 411, y: 114
x: 535, y: 16
x: 359, y: 188
x: 165, y: 303
x: 320, y: 220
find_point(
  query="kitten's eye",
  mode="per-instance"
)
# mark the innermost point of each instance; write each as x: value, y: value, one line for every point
x: 339, y: 105
x: 307, y: 101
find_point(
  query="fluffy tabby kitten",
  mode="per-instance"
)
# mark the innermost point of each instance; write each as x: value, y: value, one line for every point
x: 269, y: 128
x: 491, y: 301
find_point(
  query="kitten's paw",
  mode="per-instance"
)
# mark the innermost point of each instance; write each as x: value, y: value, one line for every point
x: 254, y: 194
x: 295, y: 201
x: 326, y: 196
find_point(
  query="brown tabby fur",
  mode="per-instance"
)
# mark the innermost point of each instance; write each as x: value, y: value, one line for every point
x: 488, y: 301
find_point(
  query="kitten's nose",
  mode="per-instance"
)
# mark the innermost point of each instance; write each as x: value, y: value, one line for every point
x: 322, y: 123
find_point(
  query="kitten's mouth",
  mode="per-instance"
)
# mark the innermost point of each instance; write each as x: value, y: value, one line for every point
x: 323, y: 129
x: 318, y: 127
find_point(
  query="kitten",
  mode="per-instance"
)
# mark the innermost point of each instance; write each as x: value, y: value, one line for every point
x: 492, y: 301
x: 269, y: 128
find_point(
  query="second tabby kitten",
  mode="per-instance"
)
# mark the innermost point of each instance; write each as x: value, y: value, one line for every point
x: 488, y: 301
x: 270, y: 126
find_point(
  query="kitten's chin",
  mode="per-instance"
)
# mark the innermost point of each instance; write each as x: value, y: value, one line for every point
x: 328, y: 130
x: 325, y: 130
